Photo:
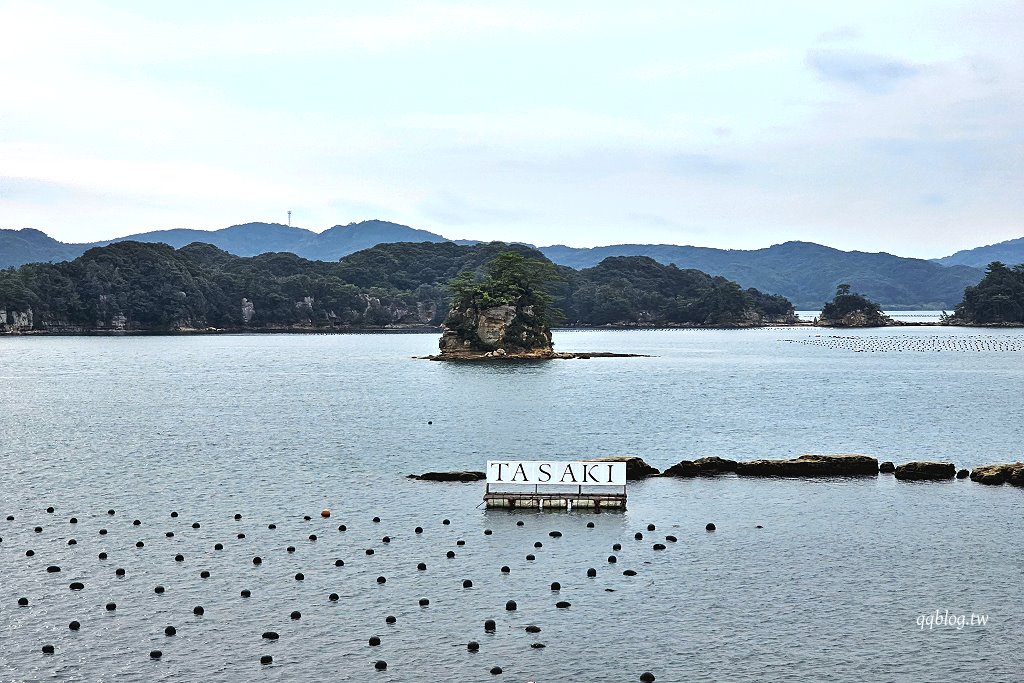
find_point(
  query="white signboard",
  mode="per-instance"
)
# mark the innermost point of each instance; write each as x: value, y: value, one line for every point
x: 547, y: 472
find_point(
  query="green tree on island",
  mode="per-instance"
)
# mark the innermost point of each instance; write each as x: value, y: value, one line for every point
x: 997, y: 300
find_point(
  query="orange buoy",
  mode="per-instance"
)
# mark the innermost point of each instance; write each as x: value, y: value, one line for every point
x: 325, y: 513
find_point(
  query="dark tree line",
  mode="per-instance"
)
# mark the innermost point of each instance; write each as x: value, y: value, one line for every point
x: 997, y: 299
x: 147, y: 286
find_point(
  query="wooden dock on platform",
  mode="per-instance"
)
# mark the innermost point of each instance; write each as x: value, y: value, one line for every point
x: 555, y: 500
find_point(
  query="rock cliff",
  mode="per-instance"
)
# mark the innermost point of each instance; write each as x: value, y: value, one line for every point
x: 497, y: 331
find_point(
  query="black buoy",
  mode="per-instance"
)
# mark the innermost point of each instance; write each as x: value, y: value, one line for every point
x: 342, y: 528
x: 424, y: 602
x: 520, y: 523
x: 390, y: 619
x: 538, y: 544
x: 369, y: 551
x: 155, y: 654
x: 466, y: 583
x: 290, y: 549
x: 612, y: 559
x: 532, y: 629
x: 591, y: 573
x: 671, y: 539
x: 376, y: 520
x: 650, y: 527
x: 257, y: 560
x: 306, y: 517
x: 246, y: 593
x: 179, y: 558
x: 50, y: 510
x: 638, y: 536
x: 487, y: 532
x: 110, y: 512
x: 158, y: 590
x: 102, y: 556
x: 137, y: 522
x: 563, y: 604
x: 198, y: 610
x: 511, y: 606
x: 312, y: 537
x: 300, y: 577
x: 473, y: 646
x: 174, y: 514
x: 47, y: 649
x: 629, y: 572
x: 374, y: 641
x: 296, y: 615
x: 495, y: 670
x: 38, y: 529
x: 195, y: 525
x: 590, y: 525
x: 555, y: 586
x: 386, y: 539
x: 73, y: 520
x: 218, y: 546
x: 22, y: 602
x: 77, y: 586
x: 204, y: 574
x: 380, y: 665
x: 646, y: 677
x: 237, y: 516
x: 419, y: 530
x: 617, y: 547
x: 460, y: 542
x: 554, y: 534
x: 382, y: 579
x: 74, y: 625
x: 446, y: 522
x: 271, y: 635
x: 421, y: 567
x: 169, y: 534
x: 658, y: 546
x: 450, y: 554
x: 333, y: 597
x: 139, y: 544
x: 170, y: 631
x: 271, y: 526
x: 119, y: 571
x: 72, y: 541
x: 758, y: 527
x: 339, y: 563
x: 266, y: 659
x: 530, y: 558
x: 538, y: 646
x: 111, y: 606
x: 505, y: 569
x: 710, y: 526
x: 53, y: 569
x: 489, y: 625
x: 30, y: 553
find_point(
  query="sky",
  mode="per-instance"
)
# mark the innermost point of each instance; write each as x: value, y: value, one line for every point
x: 877, y: 126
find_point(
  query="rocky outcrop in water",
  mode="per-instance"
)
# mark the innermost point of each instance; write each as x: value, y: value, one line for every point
x: 887, y: 467
x: 498, y: 331
x: 1012, y: 473
x: 811, y: 466
x: 13, y: 322
x: 709, y: 466
x: 463, y: 475
x: 925, y: 470
x: 636, y: 467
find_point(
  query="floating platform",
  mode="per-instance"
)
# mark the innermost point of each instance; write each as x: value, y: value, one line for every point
x: 555, y: 500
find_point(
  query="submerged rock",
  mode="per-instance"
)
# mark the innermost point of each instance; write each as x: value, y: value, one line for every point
x: 465, y: 475
x: 887, y: 467
x: 708, y: 466
x: 811, y: 466
x: 636, y: 467
x: 925, y: 470
x: 999, y: 474
x: 962, y: 474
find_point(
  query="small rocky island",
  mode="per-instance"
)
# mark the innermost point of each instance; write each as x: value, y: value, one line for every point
x: 852, y: 310
x: 504, y: 315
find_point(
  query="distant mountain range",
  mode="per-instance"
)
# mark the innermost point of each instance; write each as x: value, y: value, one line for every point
x: 803, y: 272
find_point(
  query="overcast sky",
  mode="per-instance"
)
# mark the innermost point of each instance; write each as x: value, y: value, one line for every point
x: 879, y: 126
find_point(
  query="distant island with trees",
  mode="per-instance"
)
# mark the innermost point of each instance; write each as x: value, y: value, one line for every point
x: 152, y: 287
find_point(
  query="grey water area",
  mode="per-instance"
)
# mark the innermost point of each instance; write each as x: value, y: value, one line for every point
x: 842, y: 581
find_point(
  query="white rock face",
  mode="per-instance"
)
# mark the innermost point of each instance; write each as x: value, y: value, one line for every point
x: 248, y: 310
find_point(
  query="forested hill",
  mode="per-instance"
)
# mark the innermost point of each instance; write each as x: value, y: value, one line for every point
x: 154, y: 287
x: 997, y: 300
x: 805, y: 273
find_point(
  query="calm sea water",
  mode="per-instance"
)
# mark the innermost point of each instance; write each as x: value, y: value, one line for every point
x: 277, y: 427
